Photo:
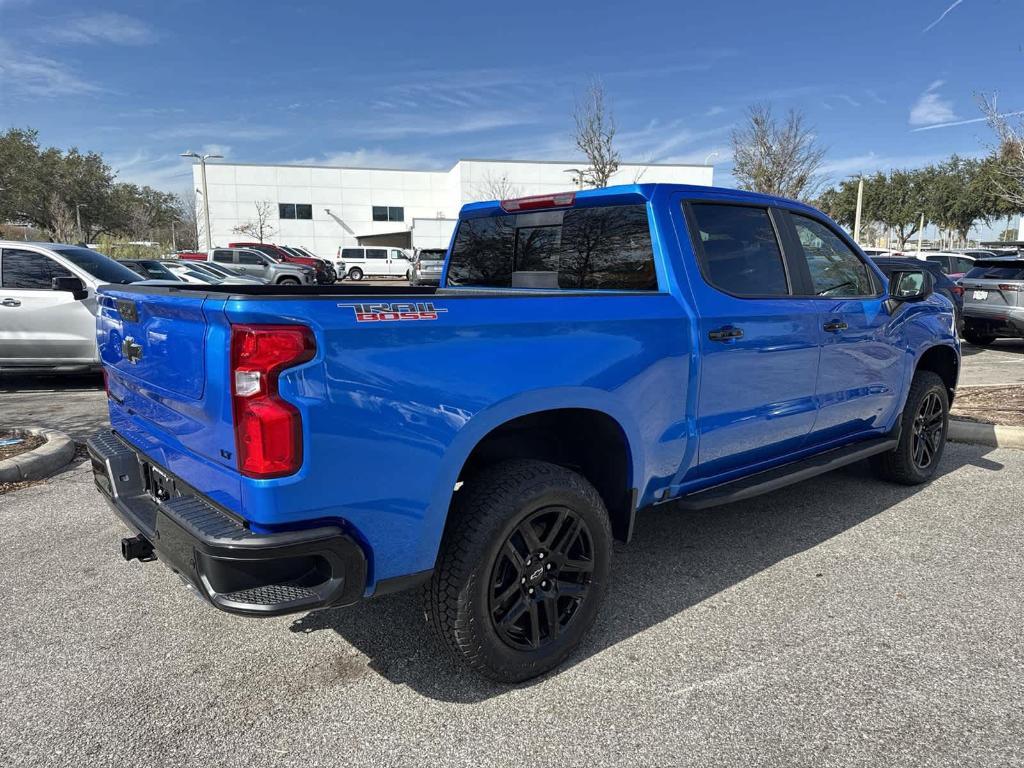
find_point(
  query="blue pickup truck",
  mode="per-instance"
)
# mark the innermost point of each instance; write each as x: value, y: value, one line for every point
x: 586, y: 355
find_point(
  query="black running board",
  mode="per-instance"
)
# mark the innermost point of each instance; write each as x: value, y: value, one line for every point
x: 787, y: 474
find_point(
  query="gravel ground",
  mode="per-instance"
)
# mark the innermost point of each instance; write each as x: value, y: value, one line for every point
x: 991, y: 405
x: 839, y: 622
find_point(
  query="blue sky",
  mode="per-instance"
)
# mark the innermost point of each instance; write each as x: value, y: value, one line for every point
x: 409, y: 84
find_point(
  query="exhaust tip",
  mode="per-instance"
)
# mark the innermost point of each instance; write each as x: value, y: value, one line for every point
x: 137, y: 548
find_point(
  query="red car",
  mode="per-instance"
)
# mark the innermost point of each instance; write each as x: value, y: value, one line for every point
x: 324, y: 271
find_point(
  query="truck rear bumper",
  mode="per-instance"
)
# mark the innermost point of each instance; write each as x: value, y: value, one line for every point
x: 233, y: 568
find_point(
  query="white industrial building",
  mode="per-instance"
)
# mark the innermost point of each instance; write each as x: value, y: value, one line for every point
x: 322, y: 207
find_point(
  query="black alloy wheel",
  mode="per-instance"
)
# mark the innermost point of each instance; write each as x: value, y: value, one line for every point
x: 541, y: 577
x: 929, y: 424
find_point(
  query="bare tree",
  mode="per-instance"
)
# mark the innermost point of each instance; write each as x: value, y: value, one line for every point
x: 495, y: 187
x: 63, y: 227
x: 1009, y: 153
x: 777, y: 159
x: 188, y: 226
x: 595, y: 135
x: 260, y: 227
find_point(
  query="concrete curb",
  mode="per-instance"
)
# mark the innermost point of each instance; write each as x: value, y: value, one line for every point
x: 40, y: 462
x: 994, y: 435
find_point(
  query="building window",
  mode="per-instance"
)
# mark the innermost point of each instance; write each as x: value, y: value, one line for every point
x: 388, y: 213
x: 294, y: 211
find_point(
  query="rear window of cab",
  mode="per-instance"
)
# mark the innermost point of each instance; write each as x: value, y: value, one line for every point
x: 589, y: 248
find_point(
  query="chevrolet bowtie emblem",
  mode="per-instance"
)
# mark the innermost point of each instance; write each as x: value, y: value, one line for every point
x: 131, y: 351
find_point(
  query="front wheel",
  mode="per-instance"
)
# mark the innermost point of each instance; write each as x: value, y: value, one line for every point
x: 287, y: 281
x: 924, y: 424
x: 522, y: 570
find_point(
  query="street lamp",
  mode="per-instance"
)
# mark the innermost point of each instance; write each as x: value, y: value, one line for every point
x: 206, y: 198
x: 78, y: 219
x: 577, y: 176
x: 707, y: 160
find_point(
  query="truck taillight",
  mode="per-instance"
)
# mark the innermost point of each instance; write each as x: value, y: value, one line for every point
x: 1009, y: 287
x: 539, y: 202
x: 268, y: 429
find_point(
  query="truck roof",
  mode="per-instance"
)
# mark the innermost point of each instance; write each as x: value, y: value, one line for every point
x: 626, y: 193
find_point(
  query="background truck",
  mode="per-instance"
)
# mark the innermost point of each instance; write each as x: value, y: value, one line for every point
x: 587, y: 355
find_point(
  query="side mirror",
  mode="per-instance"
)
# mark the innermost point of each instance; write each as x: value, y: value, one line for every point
x: 72, y: 285
x: 911, y: 285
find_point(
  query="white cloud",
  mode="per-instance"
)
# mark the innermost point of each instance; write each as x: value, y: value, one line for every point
x: 224, y: 150
x: 964, y: 122
x: 165, y: 172
x: 24, y: 74
x: 871, y: 161
x: 713, y: 111
x: 941, y: 17
x: 375, y: 157
x: 238, y: 131
x: 100, y: 28
x: 930, y: 108
x: 657, y: 141
x: 448, y: 124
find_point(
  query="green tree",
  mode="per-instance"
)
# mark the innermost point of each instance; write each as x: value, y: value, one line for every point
x: 49, y: 188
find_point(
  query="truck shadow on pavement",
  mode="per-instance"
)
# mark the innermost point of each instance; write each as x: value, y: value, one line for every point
x: 676, y: 560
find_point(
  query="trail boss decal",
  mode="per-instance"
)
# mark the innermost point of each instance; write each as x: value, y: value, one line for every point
x: 383, y: 313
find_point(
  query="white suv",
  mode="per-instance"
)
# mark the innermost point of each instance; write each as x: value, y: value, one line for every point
x: 48, y: 304
x: 375, y: 262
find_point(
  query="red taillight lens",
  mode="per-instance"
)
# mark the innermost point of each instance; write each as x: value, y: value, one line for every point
x: 562, y: 200
x: 1008, y: 287
x: 957, y: 290
x: 268, y: 430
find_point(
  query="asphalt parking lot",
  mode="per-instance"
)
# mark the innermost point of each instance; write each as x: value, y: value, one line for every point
x: 838, y: 622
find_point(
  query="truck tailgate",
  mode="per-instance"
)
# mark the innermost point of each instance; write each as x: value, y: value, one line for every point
x: 166, y: 396
x: 158, y: 341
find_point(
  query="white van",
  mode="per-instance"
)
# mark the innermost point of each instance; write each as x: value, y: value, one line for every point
x: 375, y: 262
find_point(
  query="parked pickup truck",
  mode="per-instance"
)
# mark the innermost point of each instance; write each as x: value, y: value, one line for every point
x: 587, y: 355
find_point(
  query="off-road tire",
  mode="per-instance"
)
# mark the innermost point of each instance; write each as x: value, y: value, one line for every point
x: 978, y: 339
x: 490, y: 508
x: 899, y: 465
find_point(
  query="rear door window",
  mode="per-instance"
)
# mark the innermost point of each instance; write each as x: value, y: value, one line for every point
x: 248, y: 257
x: 223, y: 256
x: 351, y: 253
x: 738, y: 250
x: 594, y: 248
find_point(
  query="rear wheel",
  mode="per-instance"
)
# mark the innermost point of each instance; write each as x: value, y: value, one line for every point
x: 355, y: 273
x: 522, y: 569
x: 924, y: 424
x: 977, y: 338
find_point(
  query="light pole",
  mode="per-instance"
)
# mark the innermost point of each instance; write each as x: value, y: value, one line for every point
x: 577, y: 176
x: 860, y: 206
x: 206, y: 199
x: 78, y: 219
x: 707, y: 160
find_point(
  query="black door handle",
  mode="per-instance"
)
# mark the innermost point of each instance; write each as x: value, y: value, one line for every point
x: 835, y: 326
x: 726, y: 333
